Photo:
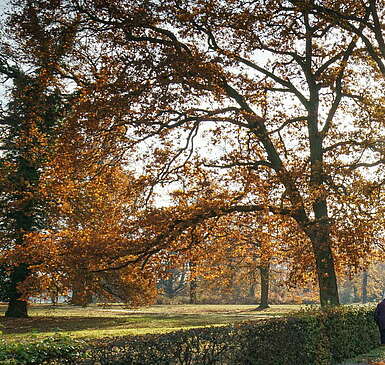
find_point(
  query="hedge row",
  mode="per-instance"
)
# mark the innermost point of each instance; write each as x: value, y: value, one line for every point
x: 308, y: 338
x: 57, y: 349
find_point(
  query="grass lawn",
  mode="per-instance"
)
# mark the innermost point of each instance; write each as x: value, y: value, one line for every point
x: 98, y: 321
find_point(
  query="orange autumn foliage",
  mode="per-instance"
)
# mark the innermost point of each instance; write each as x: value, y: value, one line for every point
x: 267, y: 112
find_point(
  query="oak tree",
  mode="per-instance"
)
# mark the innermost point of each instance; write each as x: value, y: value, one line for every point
x: 286, y: 98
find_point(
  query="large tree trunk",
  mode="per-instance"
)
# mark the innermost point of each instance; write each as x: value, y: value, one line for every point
x: 319, y: 228
x: 265, y: 281
x: 320, y: 239
x: 17, y: 308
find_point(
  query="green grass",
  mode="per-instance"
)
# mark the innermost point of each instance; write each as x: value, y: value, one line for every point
x: 115, y: 320
x: 97, y: 321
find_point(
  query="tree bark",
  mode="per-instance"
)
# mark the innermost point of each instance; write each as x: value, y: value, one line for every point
x: 251, y: 291
x: 319, y: 229
x: 265, y: 281
x: 320, y: 239
x: 236, y: 289
x: 355, y: 295
x: 364, y: 297
x: 17, y: 308
x: 193, y: 284
x: 193, y: 291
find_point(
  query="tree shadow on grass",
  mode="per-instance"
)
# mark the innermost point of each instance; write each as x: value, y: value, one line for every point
x: 49, y: 324
x: 40, y: 324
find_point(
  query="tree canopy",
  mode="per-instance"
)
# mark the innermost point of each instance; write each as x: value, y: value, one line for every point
x: 268, y: 111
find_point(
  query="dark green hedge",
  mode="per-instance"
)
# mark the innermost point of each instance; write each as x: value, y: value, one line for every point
x: 312, y: 337
x: 58, y: 349
x: 350, y: 331
x: 321, y: 337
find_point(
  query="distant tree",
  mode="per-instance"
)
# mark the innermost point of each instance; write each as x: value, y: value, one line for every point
x: 174, y: 283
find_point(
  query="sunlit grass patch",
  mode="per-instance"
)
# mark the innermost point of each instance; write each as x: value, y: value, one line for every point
x: 98, y: 321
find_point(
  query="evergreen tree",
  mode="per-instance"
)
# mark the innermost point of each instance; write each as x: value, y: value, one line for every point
x: 27, y: 132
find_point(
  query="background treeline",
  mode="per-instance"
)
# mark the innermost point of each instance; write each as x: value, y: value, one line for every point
x: 241, y: 286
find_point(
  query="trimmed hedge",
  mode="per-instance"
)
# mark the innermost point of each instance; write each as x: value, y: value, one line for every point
x: 351, y: 331
x: 321, y: 337
x: 58, y: 349
x: 312, y: 337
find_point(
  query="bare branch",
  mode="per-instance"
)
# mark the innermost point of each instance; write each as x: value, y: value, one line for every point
x: 252, y: 165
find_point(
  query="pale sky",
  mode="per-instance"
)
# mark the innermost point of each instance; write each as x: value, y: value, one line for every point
x: 3, y: 5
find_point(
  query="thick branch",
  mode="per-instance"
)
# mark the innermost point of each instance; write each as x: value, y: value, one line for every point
x: 179, y: 226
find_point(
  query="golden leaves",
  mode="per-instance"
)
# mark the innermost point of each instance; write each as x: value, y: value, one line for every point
x: 294, y: 127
